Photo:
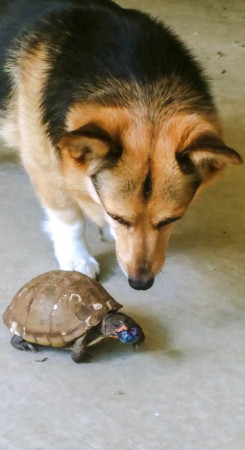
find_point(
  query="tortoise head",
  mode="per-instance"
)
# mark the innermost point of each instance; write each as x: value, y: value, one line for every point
x: 120, y: 326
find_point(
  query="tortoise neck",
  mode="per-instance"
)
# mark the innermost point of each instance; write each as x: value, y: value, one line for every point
x: 102, y: 326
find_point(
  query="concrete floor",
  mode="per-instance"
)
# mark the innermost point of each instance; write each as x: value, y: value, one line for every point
x: 185, y: 389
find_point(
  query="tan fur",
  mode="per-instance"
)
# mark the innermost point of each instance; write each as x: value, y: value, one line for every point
x: 37, y: 155
x: 141, y: 248
x: 148, y: 140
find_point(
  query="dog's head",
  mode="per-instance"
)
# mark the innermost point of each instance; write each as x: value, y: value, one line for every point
x: 144, y: 172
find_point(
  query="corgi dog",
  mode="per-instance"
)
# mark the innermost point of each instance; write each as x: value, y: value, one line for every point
x: 113, y: 119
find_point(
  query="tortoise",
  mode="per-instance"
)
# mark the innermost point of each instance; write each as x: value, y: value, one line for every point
x: 60, y: 308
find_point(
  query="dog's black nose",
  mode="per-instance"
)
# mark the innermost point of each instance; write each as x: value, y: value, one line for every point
x: 141, y: 285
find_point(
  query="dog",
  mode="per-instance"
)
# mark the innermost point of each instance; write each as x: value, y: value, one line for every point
x: 114, y: 120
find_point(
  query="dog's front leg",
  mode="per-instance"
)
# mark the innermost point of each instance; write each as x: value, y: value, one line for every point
x: 65, y: 221
x: 70, y: 246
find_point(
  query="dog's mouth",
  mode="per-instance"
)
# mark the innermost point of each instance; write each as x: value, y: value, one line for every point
x: 141, y: 285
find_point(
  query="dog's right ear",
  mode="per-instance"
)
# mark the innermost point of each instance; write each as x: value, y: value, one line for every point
x: 207, y: 156
x: 90, y: 147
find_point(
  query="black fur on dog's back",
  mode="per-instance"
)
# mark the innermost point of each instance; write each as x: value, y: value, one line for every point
x: 19, y: 18
x: 96, y: 47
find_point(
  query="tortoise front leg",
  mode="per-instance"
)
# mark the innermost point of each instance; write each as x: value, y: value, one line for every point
x: 91, y: 337
x: 78, y: 352
x: 20, y: 343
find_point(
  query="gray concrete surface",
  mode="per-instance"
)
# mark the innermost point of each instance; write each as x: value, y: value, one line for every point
x: 185, y: 389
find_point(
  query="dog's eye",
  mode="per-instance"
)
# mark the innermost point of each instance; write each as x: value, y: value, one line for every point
x: 164, y: 223
x: 120, y: 220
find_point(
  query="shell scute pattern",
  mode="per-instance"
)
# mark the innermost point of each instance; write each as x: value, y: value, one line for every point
x: 57, y: 307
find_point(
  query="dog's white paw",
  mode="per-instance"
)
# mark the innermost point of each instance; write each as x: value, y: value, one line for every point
x: 88, y: 266
x: 70, y: 246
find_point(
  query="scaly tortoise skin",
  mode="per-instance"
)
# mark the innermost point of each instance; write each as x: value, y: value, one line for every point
x: 60, y: 307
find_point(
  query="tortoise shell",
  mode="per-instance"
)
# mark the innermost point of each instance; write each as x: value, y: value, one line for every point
x: 57, y: 307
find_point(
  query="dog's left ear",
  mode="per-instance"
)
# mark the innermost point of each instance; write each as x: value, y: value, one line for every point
x: 207, y: 155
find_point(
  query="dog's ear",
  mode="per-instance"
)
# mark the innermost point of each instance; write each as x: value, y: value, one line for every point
x: 90, y: 147
x: 207, y: 156
x: 86, y: 152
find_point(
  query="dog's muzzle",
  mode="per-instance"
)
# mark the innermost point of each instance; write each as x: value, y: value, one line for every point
x: 141, y: 285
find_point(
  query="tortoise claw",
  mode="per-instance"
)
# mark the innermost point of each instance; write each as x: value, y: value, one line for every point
x: 137, y: 345
x: 20, y: 343
x: 27, y: 346
x: 87, y: 358
x: 84, y: 358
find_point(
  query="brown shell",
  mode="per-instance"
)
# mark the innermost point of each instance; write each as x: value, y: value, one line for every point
x: 57, y: 307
